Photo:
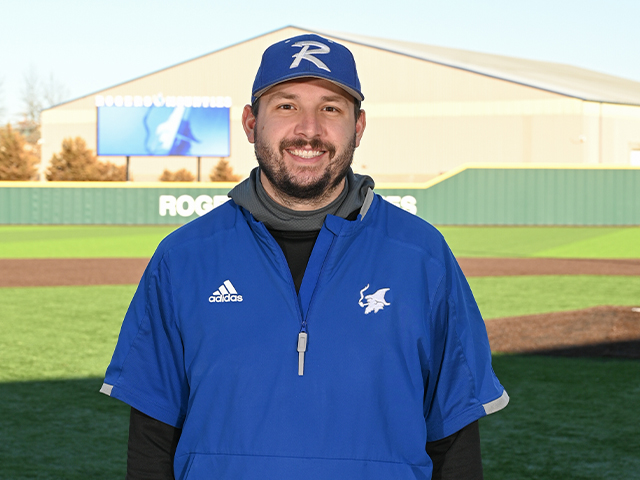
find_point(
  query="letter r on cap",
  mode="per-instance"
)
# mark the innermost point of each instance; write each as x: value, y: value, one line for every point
x: 309, y: 54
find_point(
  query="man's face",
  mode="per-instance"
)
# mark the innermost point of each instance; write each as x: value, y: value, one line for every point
x: 305, y: 135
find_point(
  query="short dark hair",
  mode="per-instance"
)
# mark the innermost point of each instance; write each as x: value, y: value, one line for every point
x: 357, y: 104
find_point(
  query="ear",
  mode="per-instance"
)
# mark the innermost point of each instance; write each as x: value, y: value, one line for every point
x: 361, y: 123
x: 249, y: 123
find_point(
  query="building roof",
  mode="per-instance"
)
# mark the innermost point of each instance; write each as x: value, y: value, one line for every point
x: 553, y: 77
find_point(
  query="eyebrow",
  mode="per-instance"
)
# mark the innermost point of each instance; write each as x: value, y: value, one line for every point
x: 288, y: 96
x: 326, y: 98
x: 334, y: 98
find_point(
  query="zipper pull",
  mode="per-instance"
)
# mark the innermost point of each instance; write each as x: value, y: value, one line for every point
x: 302, y: 347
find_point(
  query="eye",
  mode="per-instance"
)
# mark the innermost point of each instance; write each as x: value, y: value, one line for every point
x: 285, y: 106
x: 330, y: 108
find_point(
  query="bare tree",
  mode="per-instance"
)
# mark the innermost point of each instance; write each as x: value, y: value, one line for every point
x: 37, y: 94
x: 3, y: 108
x: 32, y: 98
x: 53, y: 92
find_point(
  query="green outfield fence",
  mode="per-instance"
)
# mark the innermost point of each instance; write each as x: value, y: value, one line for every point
x: 469, y: 195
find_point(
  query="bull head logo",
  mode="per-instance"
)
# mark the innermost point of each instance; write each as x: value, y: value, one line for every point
x: 373, y: 301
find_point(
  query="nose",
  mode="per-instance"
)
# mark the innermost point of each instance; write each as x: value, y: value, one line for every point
x: 308, y: 124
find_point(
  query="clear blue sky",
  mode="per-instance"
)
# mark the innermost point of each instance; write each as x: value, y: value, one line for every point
x: 88, y: 45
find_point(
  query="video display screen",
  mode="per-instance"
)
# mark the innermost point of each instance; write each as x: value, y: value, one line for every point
x: 163, y: 131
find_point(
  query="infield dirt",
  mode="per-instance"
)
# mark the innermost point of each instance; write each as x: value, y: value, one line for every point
x: 123, y: 271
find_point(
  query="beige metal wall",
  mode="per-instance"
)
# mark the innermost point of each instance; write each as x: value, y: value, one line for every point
x: 620, y: 133
x: 423, y: 118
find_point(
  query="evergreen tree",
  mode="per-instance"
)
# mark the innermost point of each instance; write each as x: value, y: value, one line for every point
x: 182, y: 175
x: 110, y: 172
x: 77, y: 163
x: 223, y: 172
x: 17, y: 161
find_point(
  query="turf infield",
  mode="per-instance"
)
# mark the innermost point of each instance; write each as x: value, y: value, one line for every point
x: 526, y: 295
x: 140, y: 241
x: 59, y: 332
x: 552, y: 242
x: 91, y: 241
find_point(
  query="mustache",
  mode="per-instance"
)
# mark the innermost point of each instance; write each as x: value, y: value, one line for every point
x: 314, y: 143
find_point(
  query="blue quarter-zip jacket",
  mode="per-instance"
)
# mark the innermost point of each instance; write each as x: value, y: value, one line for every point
x: 397, y: 351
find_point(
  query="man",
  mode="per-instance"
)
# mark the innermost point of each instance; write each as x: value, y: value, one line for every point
x: 306, y: 328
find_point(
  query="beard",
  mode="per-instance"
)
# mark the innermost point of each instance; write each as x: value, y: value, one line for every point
x: 315, y: 187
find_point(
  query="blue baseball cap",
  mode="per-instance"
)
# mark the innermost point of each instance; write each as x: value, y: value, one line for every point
x: 304, y: 56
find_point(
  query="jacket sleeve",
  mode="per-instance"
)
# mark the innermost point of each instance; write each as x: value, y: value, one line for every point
x: 147, y: 368
x: 461, y: 386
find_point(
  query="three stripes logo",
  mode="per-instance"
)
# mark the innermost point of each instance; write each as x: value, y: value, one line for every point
x: 225, y: 293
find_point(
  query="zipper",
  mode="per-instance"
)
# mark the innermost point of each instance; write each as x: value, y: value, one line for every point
x: 302, y: 347
x: 303, y: 334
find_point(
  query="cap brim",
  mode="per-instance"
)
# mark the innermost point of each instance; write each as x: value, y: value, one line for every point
x: 350, y: 91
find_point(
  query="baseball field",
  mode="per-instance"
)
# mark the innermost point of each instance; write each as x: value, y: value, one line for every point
x: 562, y: 308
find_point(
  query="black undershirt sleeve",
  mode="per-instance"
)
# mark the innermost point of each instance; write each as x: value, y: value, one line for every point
x: 457, y: 457
x: 151, y: 448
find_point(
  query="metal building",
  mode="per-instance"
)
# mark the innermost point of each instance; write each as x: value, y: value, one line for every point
x: 429, y: 109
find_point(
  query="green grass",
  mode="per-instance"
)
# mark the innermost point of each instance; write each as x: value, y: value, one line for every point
x: 527, y: 295
x: 59, y: 332
x: 55, y: 345
x: 80, y: 241
x: 61, y: 429
x: 559, y: 242
x: 567, y: 419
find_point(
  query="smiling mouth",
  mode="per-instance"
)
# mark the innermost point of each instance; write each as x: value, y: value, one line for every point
x: 306, y: 153
x: 304, y: 149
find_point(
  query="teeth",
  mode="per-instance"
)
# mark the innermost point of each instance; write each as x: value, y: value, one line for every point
x: 306, y: 153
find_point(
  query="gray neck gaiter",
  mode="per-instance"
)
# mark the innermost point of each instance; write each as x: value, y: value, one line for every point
x: 251, y: 195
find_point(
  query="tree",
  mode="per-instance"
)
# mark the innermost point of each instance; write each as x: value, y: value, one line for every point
x: 53, y: 92
x: 182, y: 175
x: 223, y: 172
x: 32, y: 100
x: 17, y: 160
x: 2, y: 104
x: 110, y: 172
x: 37, y: 94
x: 77, y: 163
